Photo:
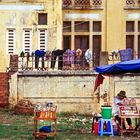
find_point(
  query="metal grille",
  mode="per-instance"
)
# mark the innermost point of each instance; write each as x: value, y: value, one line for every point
x: 82, y: 2
x: 96, y: 2
x: 67, y: 3
x: 130, y: 2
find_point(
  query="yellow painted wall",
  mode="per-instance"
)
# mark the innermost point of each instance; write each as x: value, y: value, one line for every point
x: 20, y: 19
x: 112, y: 14
x: 70, y: 93
x: 114, y: 25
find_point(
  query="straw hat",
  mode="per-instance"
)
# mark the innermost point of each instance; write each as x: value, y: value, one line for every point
x: 122, y: 94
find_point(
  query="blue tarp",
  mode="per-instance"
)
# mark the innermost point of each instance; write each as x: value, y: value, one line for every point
x: 132, y: 66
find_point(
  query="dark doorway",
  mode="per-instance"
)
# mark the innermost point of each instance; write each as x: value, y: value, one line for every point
x: 96, y: 49
x: 130, y: 42
x: 82, y: 42
x: 66, y: 42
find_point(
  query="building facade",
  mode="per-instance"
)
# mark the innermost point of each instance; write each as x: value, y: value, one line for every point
x: 98, y: 25
x: 29, y: 25
x: 102, y: 26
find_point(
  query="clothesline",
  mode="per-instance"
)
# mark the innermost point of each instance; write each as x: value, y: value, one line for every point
x: 75, y: 24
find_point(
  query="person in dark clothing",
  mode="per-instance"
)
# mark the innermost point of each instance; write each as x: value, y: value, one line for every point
x: 57, y: 53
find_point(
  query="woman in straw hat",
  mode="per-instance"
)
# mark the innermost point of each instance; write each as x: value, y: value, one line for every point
x: 118, y: 101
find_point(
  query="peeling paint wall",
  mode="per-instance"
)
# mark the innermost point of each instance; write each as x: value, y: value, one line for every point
x: 69, y: 93
x: 24, y: 14
x: 127, y: 82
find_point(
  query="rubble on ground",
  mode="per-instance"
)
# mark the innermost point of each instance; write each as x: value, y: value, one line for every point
x: 24, y: 107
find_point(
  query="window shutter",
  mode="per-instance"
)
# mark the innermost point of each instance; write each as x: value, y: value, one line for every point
x: 27, y: 40
x: 10, y: 41
x: 42, y: 39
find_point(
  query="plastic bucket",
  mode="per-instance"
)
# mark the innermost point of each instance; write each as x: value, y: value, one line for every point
x: 106, y: 112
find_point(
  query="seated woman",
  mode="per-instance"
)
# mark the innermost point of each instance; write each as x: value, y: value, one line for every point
x: 118, y: 101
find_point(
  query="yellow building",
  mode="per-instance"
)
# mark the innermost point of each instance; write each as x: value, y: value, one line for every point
x: 98, y: 25
x: 28, y: 25
x: 102, y: 25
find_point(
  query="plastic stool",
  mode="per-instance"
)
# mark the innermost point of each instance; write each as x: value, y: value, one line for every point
x: 109, y: 127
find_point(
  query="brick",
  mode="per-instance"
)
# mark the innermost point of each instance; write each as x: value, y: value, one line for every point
x: 4, y: 87
x: 4, y: 94
x: 4, y: 75
x: 4, y: 104
x: 4, y: 91
x: 3, y: 80
x: 3, y: 84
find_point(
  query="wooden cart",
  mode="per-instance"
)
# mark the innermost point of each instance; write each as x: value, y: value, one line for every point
x: 46, y: 115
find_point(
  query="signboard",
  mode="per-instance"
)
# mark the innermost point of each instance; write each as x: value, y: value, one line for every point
x: 129, y: 111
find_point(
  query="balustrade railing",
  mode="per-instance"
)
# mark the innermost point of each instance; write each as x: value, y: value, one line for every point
x: 32, y: 63
x: 83, y: 4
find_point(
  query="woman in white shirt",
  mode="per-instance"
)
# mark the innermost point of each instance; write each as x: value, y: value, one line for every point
x: 118, y: 101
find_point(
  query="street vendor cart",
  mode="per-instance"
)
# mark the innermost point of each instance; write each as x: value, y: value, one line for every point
x: 48, y: 114
x: 129, y: 110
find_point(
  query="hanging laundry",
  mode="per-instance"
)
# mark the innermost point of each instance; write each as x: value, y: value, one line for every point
x: 98, y: 81
x: 39, y: 54
x: 88, y: 56
x: 47, y: 55
x: 57, y: 53
x: 126, y: 55
x: 78, y: 57
x: 68, y: 57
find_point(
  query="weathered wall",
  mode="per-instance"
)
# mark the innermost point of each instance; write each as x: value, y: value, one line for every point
x: 20, y: 15
x: 113, y: 16
x: 72, y: 93
x: 127, y: 82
